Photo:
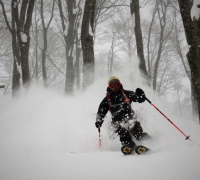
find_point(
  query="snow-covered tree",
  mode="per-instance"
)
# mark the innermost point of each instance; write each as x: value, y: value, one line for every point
x: 87, y: 33
x: 21, y: 20
x: 190, y: 13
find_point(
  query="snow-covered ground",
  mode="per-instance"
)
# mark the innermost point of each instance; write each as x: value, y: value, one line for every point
x: 47, y: 136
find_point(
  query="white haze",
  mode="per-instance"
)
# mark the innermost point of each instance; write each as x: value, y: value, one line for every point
x: 46, y: 136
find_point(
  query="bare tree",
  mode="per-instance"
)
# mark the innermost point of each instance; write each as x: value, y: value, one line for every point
x: 77, y: 62
x: 87, y: 32
x: 149, y: 40
x: 105, y: 9
x: 45, y: 41
x: 6, y: 59
x: 69, y: 32
x: 135, y: 9
x: 177, y: 41
x: 162, y: 20
x: 36, y: 45
x: 192, y: 31
x: 124, y: 29
x: 21, y: 23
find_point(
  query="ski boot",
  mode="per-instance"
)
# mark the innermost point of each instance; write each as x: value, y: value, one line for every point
x: 138, y: 133
x: 127, y: 143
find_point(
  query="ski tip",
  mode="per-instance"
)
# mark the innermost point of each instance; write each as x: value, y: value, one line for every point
x: 141, y: 149
x: 126, y: 149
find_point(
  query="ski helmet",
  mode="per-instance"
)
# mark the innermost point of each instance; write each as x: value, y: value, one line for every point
x: 114, y: 83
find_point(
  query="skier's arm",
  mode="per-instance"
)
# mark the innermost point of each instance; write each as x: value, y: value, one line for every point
x: 101, y: 113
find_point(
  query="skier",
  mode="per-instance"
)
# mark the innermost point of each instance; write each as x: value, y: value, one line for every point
x: 124, y: 120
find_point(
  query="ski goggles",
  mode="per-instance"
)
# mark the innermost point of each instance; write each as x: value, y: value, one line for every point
x: 114, y: 85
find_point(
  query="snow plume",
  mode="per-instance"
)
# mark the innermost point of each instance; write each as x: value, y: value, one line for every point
x: 44, y: 121
x: 128, y: 73
x: 46, y: 135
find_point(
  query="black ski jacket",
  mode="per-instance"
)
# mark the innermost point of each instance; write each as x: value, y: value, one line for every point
x: 119, y: 109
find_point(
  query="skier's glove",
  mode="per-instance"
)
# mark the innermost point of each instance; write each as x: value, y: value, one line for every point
x: 98, y: 123
x: 140, y: 95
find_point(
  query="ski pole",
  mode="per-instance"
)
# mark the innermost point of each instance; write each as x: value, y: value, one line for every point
x: 99, y: 137
x: 187, y: 137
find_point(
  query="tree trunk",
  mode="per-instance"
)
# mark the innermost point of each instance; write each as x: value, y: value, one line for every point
x: 36, y: 47
x: 111, y: 56
x: 135, y: 8
x: 23, y: 24
x: 16, y: 73
x: 45, y: 42
x: 158, y: 58
x: 193, y: 39
x: 194, y: 100
x: 24, y: 49
x: 77, y: 67
x: 44, y: 72
x: 69, y: 37
x: 44, y: 49
x: 15, y: 78
x: 87, y: 31
x: 21, y: 41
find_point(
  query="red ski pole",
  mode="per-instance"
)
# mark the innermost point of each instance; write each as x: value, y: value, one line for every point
x: 187, y: 137
x: 99, y: 137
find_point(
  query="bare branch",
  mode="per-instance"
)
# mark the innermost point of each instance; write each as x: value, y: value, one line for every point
x: 51, y: 14
x: 5, y: 16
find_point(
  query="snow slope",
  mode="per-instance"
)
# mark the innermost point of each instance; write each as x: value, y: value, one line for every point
x: 47, y: 136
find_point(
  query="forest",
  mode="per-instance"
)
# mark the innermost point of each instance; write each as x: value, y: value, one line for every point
x: 67, y: 44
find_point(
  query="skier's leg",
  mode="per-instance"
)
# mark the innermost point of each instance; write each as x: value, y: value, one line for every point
x: 137, y: 130
x: 125, y: 137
